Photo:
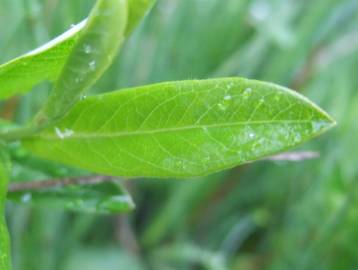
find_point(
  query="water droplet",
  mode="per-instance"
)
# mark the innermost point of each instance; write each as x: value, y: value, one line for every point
x: 92, y: 65
x: 227, y: 97
x: 247, y: 93
x: 83, y: 97
x: 248, y: 90
x: 317, y: 126
x: 87, y: 48
x: 63, y: 134
x: 26, y: 197
x: 297, y: 137
x: 252, y: 135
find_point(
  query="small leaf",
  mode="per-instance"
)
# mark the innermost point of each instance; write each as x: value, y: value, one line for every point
x: 99, y: 198
x: 181, y: 129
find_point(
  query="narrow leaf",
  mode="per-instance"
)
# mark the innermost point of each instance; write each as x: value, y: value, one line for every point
x: 5, y: 258
x: 137, y: 9
x: 99, y: 197
x: 181, y: 129
x: 90, y: 57
x: 46, y: 62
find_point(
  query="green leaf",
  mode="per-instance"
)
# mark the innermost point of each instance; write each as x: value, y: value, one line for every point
x: 99, y: 198
x: 137, y: 9
x: 90, y: 57
x: 5, y: 258
x: 46, y: 62
x: 181, y: 129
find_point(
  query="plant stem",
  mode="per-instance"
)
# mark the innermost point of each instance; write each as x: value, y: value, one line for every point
x: 52, y: 183
x: 5, y: 257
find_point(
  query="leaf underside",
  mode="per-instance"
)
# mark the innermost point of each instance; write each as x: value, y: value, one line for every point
x: 46, y: 62
x: 100, y: 198
x: 180, y: 129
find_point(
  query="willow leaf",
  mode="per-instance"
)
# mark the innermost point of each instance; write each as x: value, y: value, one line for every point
x: 96, y: 198
x: 44, y: 63
x: 21, y: 74
x: 90, y: 57
x: 180, y: 129
x: 137, y: 9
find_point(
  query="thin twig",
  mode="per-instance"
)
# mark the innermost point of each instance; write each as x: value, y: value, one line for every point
x: 53, y: 183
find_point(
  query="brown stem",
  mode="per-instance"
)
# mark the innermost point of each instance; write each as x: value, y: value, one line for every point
x: 51, y: 183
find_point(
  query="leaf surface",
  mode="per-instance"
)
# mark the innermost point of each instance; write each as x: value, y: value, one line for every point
x: 180, y: 129
x: 46, y: 62
x: 5, y: 258
x: 97, y: 198
x: 90, y: 57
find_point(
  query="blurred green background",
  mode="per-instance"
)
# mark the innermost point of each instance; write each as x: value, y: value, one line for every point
x: 265, y: 215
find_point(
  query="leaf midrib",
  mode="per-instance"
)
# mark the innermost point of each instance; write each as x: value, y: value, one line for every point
x: 93, y: 135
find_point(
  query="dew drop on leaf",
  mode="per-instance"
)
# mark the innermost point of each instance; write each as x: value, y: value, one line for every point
x: 318, y: 125
x: 248, y: 90
x: 92, y: 65
x: 297, y: 137
x: 247, y: 93
x: 87, y: 48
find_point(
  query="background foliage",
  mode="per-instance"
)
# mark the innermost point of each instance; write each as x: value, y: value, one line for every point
x: 266, y: 215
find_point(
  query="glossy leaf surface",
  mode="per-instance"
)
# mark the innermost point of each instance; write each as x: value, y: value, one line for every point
x: 46, y: 62
x: 99, y: 198
x: 91, y: 56
x: 181, y: 129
